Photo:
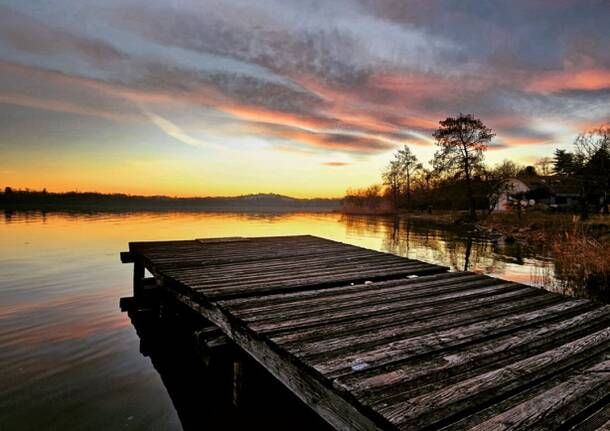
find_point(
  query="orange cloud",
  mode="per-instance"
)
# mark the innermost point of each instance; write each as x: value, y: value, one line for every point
x: 336, y: 164
x: 415, y: 85
x: 591, y: 79
x: 383, y: 103
x: 514, y: 141
x: 325, y: 140
x: 263, y: 115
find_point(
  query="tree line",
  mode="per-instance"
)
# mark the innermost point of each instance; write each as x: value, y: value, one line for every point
x: 459, y: 179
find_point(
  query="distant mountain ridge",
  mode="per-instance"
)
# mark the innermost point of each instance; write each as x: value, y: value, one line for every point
x: 20, y: 199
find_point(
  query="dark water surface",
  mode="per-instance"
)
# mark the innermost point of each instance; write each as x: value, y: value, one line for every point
x: 70, y: 360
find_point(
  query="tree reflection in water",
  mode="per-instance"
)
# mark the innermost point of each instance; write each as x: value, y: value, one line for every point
x: 460, y: 248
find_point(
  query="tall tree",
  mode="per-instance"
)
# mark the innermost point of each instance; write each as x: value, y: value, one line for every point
x: 593, y: 154
x: 410, y: 166
x: 394, y: 178
x: 564, y: 162
x: 462, y: 142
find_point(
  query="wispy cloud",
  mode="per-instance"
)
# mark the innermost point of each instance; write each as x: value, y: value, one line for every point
x: 62, y: 106
x: 336, y: 164
x: 172, y: 130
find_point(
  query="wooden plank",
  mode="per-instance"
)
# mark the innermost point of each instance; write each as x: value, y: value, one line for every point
x: 397, y: 378
x: 363, y: 312
x: 598, y: 419
x: 470, y: 418
x: 261, y: 257
x: 298, y: 283
x: 325, y: 346
x: 399, y: 350
x: 277, y: 267
x: 549, y: 409
x: 126, y: 257
x: 414, y: 294
x: 222, y: 239
x: 222, y: 275
x: 360, y: 324
x: 420, y: 287
x: 431, y: 407
x: 299, y: 298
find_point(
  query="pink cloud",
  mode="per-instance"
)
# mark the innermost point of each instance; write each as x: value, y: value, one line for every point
x: 590, y: 79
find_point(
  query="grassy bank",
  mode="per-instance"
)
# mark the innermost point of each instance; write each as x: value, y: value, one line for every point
x: 580, y: 249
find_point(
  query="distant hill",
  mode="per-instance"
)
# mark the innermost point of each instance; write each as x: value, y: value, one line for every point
x: 20, y: 199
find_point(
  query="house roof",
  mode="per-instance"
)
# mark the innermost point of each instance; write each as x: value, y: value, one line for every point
x: 554, y: 184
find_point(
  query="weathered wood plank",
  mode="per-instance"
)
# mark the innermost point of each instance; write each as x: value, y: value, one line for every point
x: 421, y: 287
x: 336, y: 346
x: 377, y: 384
x: 126, y: 257
x: 300, y: 298
x: 362, y: 311
x: 549, y: 409
x: 297, y: 283
x: 402, y: 349
x: 217, y: 276
x: 426, y: 409
x: 414, y: 295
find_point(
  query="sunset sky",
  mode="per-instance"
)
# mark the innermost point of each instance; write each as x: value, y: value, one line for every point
x: 301, y: 97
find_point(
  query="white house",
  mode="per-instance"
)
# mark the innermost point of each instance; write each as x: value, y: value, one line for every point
x: 554, y: 191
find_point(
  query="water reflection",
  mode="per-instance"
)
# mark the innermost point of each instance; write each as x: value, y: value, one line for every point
x: 453, y: 246
x: 69, y: 358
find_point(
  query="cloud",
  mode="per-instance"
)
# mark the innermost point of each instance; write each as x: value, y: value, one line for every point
x: 62, y: 106
x: 176, y: 132
x: 552, y: 82
x: 34, y: 36
x: 325, y: 140
x: 347, y: 76
x: 336, y: 164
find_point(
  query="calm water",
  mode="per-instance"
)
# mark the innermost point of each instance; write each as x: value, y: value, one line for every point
x: 70, y: 360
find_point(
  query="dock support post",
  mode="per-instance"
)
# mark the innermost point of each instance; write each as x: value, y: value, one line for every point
x: 239, y: 373
x: 138, y: 277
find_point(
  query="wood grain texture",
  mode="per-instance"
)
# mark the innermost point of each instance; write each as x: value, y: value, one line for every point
x: 370, y: 340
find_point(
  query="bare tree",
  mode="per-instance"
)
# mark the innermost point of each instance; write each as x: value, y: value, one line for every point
x: 399, y: 174
x: 409, y: 164
x: 394, y: 178
x: 462, y: 142
x: 497, y: 182
x: 545, y: 165
x: 593, y: 157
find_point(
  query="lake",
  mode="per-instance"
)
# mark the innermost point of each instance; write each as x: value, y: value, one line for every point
x: 70, y: 360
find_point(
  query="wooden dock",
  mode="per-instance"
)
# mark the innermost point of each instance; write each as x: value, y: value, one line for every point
x: 372, y: 341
